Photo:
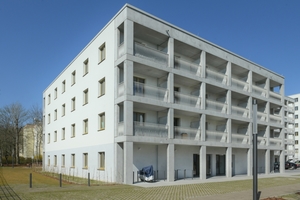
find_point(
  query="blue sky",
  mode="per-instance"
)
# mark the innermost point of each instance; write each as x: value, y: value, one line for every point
x: 39, y: 38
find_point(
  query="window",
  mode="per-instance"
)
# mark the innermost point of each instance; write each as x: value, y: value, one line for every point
x: 73, y: 78
x: 55, y: 93
x: 55, y: 114
x: 48, y: 160
x: 48, y: 139
x: 296, y: 133
x: 85, y: 96
x: 49, y: 118
x: 102, y: 53
x: 101, y: 87
x: 55, y: 160
x: 296, y: 107
x: 72, y: 160
x: 63, y: 133
x: 63, y: 160
x: 63, y: 110
x: 138, y: 84
x: 49, y: 99
x: 85, y: 67
x: 296, y: 99
x: 101, y: 121
x: 73, y: 130
x: 63, y: 86
x: 73, y: 104
x: 85, y: 160
x: 138, y: 117
x: 296, y: 116
x: 101, y: 160
x: 296, y: 141
x: 55, y: 136
x: 44, y: 102
x: 85, y: 126
x: 296, y: 125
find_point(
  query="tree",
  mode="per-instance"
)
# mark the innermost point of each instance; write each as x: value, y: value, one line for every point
x: 36, y: 114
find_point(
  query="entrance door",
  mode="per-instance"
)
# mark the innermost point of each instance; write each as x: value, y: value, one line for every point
x: 208, y: 165
x: 220, y: 165
x: 233, y: 165
x: 196, y: 165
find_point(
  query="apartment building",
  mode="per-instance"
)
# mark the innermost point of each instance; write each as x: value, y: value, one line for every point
x: 145, y: 92
x: 296, y: 138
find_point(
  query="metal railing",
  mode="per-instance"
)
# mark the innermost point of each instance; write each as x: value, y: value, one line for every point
x: 241, y: 85
x: 148, y: 53
x: 216, y: 76
x: 216, y: 106
x: 216, y: 136
x: 157, y: 93
x: 186, y: 133
x: 187, y: 66
x: 150, y: 129
x: 239, y: 111
x: 185, y: 99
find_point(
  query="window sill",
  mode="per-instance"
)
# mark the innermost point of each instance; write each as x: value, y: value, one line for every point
x: 85, y: 168
x: 72, y: 136
x: 101, y: 169
x: 85, y: 74
x: 101, y: 129
x: 84, y: 133
x: 85, y: 104
x: 101, y: 61
x: 101, y: 95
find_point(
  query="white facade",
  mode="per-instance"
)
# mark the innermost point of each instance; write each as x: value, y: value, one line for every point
x: 171, y: 100
x: 296, y: 114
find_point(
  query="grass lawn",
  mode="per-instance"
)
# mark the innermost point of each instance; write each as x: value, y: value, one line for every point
x: 45, y: 187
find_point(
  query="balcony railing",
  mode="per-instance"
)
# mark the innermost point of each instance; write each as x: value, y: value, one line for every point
x: 275, y: 142
x: 216, y: 76
x: 239, y: 138
x: 289, y: 130
x: 216, y: 106
x: 157, y: 93
x: 262, y: 141
x: 121, y: 50
x: 239, y: 111
x: 216, y: 136
x: 275, y: 119
x: 275, y: 96
x: 289, y: 152
x: 120, y: 128
x: 121, y: 89
x: 290, y: 108
x: 241, y: 85
x: 259, y: 91
x: 289, y: 141
x: 261, y: 116
x: 187, y: 66
x: 150, y: 129
x: 148, y: 53
x: 185, y: 99
x: 186, y: 133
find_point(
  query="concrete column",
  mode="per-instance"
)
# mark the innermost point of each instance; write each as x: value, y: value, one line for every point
x: 171, y: 87
x: 267, y: 161
x: 203, y: 64
x: 128, y: 77
x: 250, y: 163
x: 282, y: 161
x: 229, y: 162
x: 171, y: 123
x: 281, y: 91
x: 229, y: 102
x: 228, y: 128
x: 129, y: 37
x: 171, y: 52
x: 268, y: 111
x: 268, y: 135
x: 119, y: 162
x: 128, y: 162
x: 203, y: 95
x: 170, y: 162
x: 267, y: 87
x: 228, y: 73
x: 128, y: 118
x: 202, y: 158
x: 203, y: 127
x: 250, y: 81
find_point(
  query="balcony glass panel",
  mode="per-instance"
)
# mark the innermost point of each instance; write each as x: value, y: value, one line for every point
x: 150, y: 129
x: 216, y: 136
x: 189, y: 100
x: 157, y: 93
x: 148, y: 53
x: 239, y: 111
x: 216, y: 76
x: 187, y: 66
x: 187, y: 133
x: 216, y: 106
x: 241, y: 85
x: 239, y: 138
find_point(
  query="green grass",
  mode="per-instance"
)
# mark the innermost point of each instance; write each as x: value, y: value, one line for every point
x: 45, y: 186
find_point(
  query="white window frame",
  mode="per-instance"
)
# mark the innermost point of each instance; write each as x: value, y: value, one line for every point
x: 73, y: 77
x: 101, y: 121
x: 55, y: 114
x: 86, y: 96
x: 55, y: 93
x: 55, y: 136
x: 73, y: 130
x: 73, y: 160
x: 85, y: 159
x: 102, y: 53
x: 63, y: 110
x: 101, y: 87
x: 73, y: 103
x: 85, y: 126
x: 63, y: 86
x: 55, y: 160
x: 63, y: 160
x: 101, y: 160
x: 86, y: 67
x: 63, y: 133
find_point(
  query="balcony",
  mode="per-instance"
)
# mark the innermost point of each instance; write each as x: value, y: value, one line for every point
x: 121, y: 50
x: 259, y: 91
x: 187, y: 66
x: 216, y: 136
x: 241, y: 112
x: 290, y: 108
x: 275, y: 96
x: 275, y: 142
x: 239, y: 138
x: 151, y: 54
x: 261, y: 116
x: 120, y: 128
x: 216, y: 106
x: 216, y: 76
x: 150, y: 129
x: 186, y: 133
x: 289, y: 141
x: 152, y: 92
x: 121, y: 89
x: 289, y: 152
x: 241, y: 85
x: 262, y: 141
x: 289, y: 131
x: 275, y: 119
x: 188, y: 100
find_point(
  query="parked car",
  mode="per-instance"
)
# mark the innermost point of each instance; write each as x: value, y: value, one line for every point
x: 290, y: 165
x: 297, y: 163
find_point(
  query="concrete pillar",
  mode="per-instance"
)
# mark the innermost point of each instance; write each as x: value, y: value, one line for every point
x: 282, y: 161
x: 170, y: 162
x: 228, y: 100
x: 228, y: 73
x: 228, y: 128
x: 203, y: 64
x: 171, y: 123
x: 128, y: 77
x: 129, y: 37
x: 203, y: 127
x: 171, y: 52
x: 128, y: 162
x: 119, y: 160
x: 203, y: 95
x: 268, y: 135
x: 267, y: 161
x: 250, y: 162
x: 202, y: 158
x: 128, y: 118
x: 267, y: 87
x: 250, y: 81
x: 171, y: 87
x: 229, y: 162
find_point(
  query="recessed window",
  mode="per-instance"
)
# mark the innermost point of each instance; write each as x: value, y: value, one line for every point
x: 63, y: 110
x: 296, y: 116
x: 55, y: 160
x: 296, y: 107
x: 296, y: 141
x: 138, y: 84
x: 44, y: 100
x: 73, y: 78
x: 296, y: 133
x: 63, y: 133
x: 101, y: 87
x: 72, y: 160
x: 73, y: 104
x: 63, y: 86
x: 101, y: 160
x: 296, y: 125
x: 49, y: 118
x: 85, y: 67
x: 102, y: 53
x: 85, y: 96
x: 63, y: 160
x: 55, y: 136
x: 73, y: 130
x: 101, y: 121
x: 49, y: 99
x: 296, y: 99
x: 85, y: 160
x: 55, y: 114
x: 55, y: 93
x: 48, y: 160
x: 85, y: 126
x: 48, y: 139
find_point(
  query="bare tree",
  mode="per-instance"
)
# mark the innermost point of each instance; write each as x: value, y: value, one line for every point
x: 36, y: 114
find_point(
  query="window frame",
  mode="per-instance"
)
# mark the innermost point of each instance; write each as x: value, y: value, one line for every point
x: 73, y: 78
x: 73, y: 130
x: 86, y: 96
x: 63, y: 160
x: 85, y: 126
x: 73, y: 104
x: 63, y: 110
x: 85, y: 67
x: 101, y: 160
x: 63, y: 133
x: 101, y: 119
x: 63, y: 86
x: 85, y: 159
x: 73, y: 160
x: 101, y: 87
x: 101, y: 53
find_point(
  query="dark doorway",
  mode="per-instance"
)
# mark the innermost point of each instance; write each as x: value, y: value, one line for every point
x: 196, y: 165
x: 220, y: 165
x: 208, y: 165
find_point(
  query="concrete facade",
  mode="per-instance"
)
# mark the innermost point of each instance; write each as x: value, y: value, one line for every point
x: 170, y: 99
